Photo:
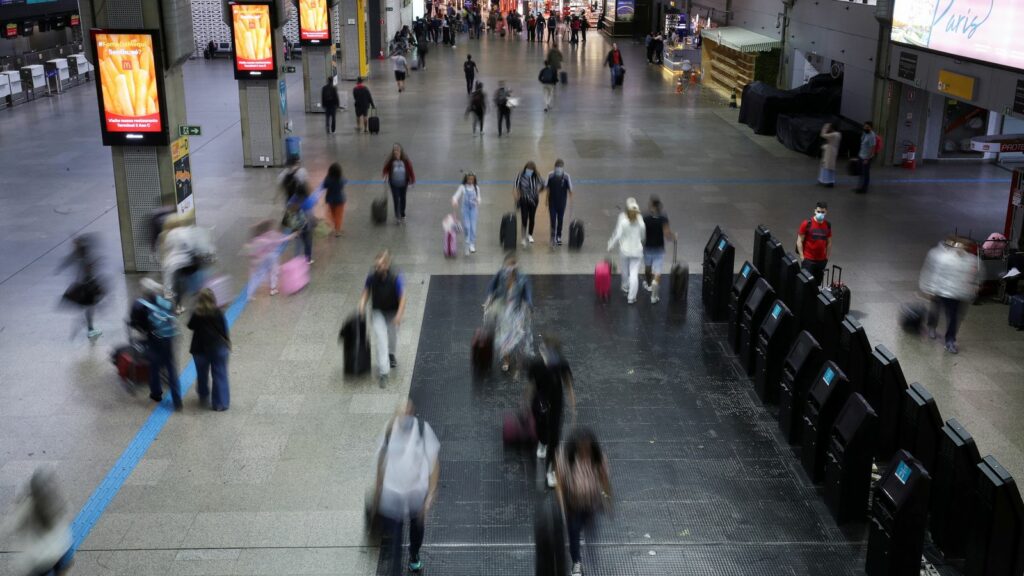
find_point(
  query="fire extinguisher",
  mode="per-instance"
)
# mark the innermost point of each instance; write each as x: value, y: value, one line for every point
x: 909, y: 156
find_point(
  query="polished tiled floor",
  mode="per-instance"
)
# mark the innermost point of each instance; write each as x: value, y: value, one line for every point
x: 275, y: 485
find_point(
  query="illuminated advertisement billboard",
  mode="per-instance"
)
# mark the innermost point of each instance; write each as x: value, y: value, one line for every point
x: 314, y: 23
x: 130, y: 89
x: 980, y: 30
x: 252, y: 36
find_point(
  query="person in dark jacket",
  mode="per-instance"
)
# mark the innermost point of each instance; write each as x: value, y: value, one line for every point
x: 159, y: 338
x: 334, y: 195
x: 399, y: 175
x: 330, y: 101
x: 470, y: 69
x: 501, y: 102
x: 614, y: 61
x: 549, y: 375
x: 384, y: 291
x: 87, y: 289
x: 210, y: 347
x: 363, y: 101
x: 477, y: 107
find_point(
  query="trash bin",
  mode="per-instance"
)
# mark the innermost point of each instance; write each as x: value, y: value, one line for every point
x: 293, y: 147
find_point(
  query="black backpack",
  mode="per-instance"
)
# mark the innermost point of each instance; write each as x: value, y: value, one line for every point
x: 468, y: 67
x: 291, y: 184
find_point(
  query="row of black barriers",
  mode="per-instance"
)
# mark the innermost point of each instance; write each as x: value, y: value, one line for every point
x: 846, y: 406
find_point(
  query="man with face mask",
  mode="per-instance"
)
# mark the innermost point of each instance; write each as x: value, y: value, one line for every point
x: 559, y: 188
x: 384, y: 290
x: 814, y: 242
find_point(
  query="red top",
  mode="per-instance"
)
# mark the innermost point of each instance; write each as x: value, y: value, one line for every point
x: 816, y: 239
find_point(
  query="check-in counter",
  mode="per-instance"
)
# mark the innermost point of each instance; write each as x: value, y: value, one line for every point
x: 13, y: 82
x: 80, y: 68
x: 33, y: 79
x: 58, y: 76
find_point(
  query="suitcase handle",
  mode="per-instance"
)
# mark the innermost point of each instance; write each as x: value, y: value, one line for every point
x: 836, y: 278
x: 675, y: 252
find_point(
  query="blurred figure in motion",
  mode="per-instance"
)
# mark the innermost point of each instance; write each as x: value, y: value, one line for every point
x: 294, y: 179
x: 503, y: 103
x: 334, y: 196
x: 210, y: 347
x: 296, y: 220
x: 152, y: 317
x: 477, y: 106
x: 186, y: 251
x: 264, y: 256
x: 549, y: 375
x: 583, y: 487
x: 629, y: 234
x: 509, y: 303
x: 385, y: 292
x: 950, y: 277
x: 87, y: 290
x: 41, y: 529
x: 407, y: 472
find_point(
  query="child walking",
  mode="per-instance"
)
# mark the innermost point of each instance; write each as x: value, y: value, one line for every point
x: 467, y: 198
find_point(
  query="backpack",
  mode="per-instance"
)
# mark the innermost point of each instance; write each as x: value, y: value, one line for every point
x: 501, y: 98
x: 291, y: 184
x: 162, y: 324
x: 468, y: 67
x: 547, y: 75
x: 576, y: 25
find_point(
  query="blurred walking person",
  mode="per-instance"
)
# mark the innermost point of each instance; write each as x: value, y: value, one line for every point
x: 211, y: 345
x: 478, y: 107
x: 526, y: 194
x: 384, y: 291
x: 548, y: 78
x: 399, y: 176
x: 264, y: 256
x: 40, y: 528
x: 629, y: 234
x: 467, y: 201
x: 657, y: 230
x: 950, y: 277
x: 510, y: 303
x: 829, y: 153
x: 330, y: 101
x: 334, y: 196
x: 502, y: 101
x: 583, y: 487
x: 88, y: 289
x: 551, y: 380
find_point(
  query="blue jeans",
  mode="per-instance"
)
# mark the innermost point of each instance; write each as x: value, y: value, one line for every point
x: 615, y: 73
x: 398, y: 195
x: 865, y: 174
x: 161, y: 359
x: 217, y: 363
x: 576, y: 521
x: 305, y: 243
x: 557, y: 214
x: 469, y: 213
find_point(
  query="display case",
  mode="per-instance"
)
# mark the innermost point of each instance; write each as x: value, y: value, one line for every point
x: 5, y: 90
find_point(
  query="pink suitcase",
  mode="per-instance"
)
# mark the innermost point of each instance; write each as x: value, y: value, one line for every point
x: 294, y: 275
x: 450, y: 244
x: 603, y: 280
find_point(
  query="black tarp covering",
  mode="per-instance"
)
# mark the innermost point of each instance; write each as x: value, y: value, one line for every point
x: 801, y: 132
x: 761, y: 104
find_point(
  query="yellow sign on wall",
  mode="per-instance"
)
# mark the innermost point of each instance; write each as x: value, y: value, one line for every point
x: 956, y: 85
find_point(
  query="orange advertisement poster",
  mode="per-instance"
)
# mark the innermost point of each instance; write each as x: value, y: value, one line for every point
x: 314, y: 22
x: 128, y: 83
x: 253, y: 38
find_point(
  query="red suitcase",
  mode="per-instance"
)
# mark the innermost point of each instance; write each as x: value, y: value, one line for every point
x: 519, y: 428
x: 603, y: 280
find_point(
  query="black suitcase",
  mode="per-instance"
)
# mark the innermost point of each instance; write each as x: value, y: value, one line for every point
x: 679, y: 278
x: 1017, y: 312
x: 482, y: 352
x: 621, y: 77
x: 840, y: 291
x: 563, y: 77
x: 549, y: 538
x: 507, y: 233
x: 374, y: 122
x: 576, y: 234
x: 379, y: 210
x: 912, y: 316
x: 355, y: 345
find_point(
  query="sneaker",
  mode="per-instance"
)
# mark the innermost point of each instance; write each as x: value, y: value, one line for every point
x: 952, y: 348
x: 542, y: 451
x: 647, y: 286
x: 95, y: 333
x: 383, y: 381
x: 472, y: 248
x: 551, y: 478
x: 467, y: 250
x: 524, y: 241
x: 625, y: 289
x: 273, y: 291
x: 311, y: 260
x: 530, y: 239
x: 654, y: 298
x: 577, y: 569
x: 558, y: 241
x: 392, y: 361
x: 631, y: 301
x: 415, y: 565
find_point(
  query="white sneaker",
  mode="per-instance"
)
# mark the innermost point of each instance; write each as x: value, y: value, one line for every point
x: 273, y: 291
x: 524, y: 241
x: 625, y: 289
x: 530, y: 238
x: 472, y: 248
x: 577, y: 569
x: 542, y: 451
x: 647, y: 286
x: 95, y: 333
x: 551, y: 479
x: 654, y: 298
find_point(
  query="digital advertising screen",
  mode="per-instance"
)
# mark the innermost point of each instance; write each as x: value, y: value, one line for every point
x: 980, y: 30
x: 624, y: 10
x: 314, y: 22
x: 130, y: 89
x: 253, y: 41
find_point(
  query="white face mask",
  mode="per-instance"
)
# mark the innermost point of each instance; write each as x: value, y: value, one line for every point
x: 528, y: 172
x: 819, y: 216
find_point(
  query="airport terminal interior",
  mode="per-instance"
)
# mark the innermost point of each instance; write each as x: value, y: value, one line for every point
x: 704, y: 480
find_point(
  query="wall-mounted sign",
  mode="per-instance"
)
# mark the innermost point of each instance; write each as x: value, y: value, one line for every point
x: 908, y: 66
x: 1018, y: 98
x: 998, y: 143
x: 956, y: 85
x: 182, y: 175
x: 253, y: 40
x: 314, y: 22
x: 75, y: 20
x: 981, y: 30
x: 131, y: 87
x: 10, y: 30
x: 624, y: 10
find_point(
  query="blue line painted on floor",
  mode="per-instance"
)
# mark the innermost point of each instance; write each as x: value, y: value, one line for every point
x: 715, y: 181
x: 104, y: 494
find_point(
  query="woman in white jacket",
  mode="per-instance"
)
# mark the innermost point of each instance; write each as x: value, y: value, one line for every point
x: 629, y: 235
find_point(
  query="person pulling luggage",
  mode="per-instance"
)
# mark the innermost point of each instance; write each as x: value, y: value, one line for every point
x: 508, y: 305
x: 467, y: 201
x: 384, y: 290
x: 814, y: 243
x: 656, y: 230
x: 629, y: 234
x: 950, y: 278
x: 549, y: 375
x: 153, y: 317
x: 559, y: 189
x: 526, y: 195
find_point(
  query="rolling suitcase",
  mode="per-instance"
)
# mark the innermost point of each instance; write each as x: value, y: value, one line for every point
x: 549, y: 539
x: 482, y: 352
x: 379, y: 210
x: 679, y: 278
x: 450, y: 243
x: 912, y: 316
x: 507, y: 233
x: 294, y: 275
x: 603, y: 280
x: 576, y: 234
x: 621, y: 77
x: 131, y: 363
x: 563, y: 77
x: 373, y: 122
x: 355, y: 346
x: 1017, y: 312
x: 840, y: 291
x: 518, y: 428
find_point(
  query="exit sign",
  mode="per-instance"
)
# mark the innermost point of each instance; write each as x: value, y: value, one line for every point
x: 184, y: 130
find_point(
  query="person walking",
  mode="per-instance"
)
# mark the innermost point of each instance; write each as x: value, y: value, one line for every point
x: 509, y: 304
x: 297, y: 220
x: 574, y: 28
x: 584, y: 25
x: 583, y: 487
x: 467, y: 201
x: 614, y: 61
x: 470, y: 70
x: 657, y: 229
x: 293, y: 180
x: 334, y: 195
x: 531, y: 28
x: 541, y: 25
x: 363, y: 101
x: 264, y: 256
x: 526, y: 194
x: 950, y: 278
x: 814, y: 243
x: 38, y: 526
x: 401, y: 66
x: 152, y: 316
x: 477, y: 107
x: 399, y: 176
x: 552, y: 26
x: 211, y: 345
x: 502, y: 103
x: 408, y: 469
x: 559, y: 189
x: 831, y: 139
x: 88, y: 289
x: 330, y: 101
x: 555, y: 58
x: 868, y: 148
x: 384, y: 291
x: 550, y: 379
x: 629, y: 234
x: 548, y: 78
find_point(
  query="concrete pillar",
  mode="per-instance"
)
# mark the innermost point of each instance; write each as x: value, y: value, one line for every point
x: 316, y: 71
x: 144, y: 176
x: 352, y: 21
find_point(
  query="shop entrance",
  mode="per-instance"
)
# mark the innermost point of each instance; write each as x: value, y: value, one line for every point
x: 960, y: 123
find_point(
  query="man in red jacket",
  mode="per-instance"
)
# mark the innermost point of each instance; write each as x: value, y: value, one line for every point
x: 614, y: 61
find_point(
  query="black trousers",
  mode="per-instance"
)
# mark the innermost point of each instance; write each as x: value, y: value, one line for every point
x: 330, y: 118
x: 505, y: 113
x: 398, y: 195
x: 557, y: 214
x: 528, y: 214
x: 816, y: 268
x: 469, y: 84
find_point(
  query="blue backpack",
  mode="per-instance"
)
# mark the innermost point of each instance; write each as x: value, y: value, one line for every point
x: 161, y: 321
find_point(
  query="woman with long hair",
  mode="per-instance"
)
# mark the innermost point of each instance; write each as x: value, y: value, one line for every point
x: 398, y: 175
x: 467, y: 201
x: 629, y: 235
x: 509, y: 304
x: 210, y: 347
x: 334, y: 195
x: 526, y: 194
x: 583, y: 487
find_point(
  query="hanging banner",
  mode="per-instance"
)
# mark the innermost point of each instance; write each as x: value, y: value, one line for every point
x: 314, y: 23
x: 182, y: 175
x: 130, y: 88
x: 253, y: 41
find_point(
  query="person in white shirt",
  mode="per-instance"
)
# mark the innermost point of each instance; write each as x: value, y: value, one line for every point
x: 467, y: 200
x: 629, y: 235
x: 401, y: 69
